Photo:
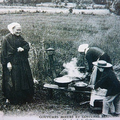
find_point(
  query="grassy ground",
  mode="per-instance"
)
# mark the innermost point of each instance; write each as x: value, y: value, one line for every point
x: 63, y: 32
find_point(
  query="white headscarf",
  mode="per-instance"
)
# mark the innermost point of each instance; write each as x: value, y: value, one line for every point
x: 12, y: 25
x: 82, y: 47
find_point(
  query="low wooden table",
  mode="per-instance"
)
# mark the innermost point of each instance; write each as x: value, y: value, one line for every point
x: 52, y: 87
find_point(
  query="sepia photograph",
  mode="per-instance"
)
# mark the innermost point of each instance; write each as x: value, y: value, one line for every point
x: 59, y: 59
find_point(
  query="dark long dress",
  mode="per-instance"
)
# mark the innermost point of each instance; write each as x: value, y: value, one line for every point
x: 21, y: 89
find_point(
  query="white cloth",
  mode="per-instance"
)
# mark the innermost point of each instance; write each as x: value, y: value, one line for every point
x: 82, y: 47
x: 95, y: 96
x: 93, y: 76
x: 12, y: 25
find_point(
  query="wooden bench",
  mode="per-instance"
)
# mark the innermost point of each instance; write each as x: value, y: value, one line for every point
x: 51, y: 87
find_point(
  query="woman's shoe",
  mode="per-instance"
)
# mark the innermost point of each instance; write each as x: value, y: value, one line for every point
x: 103, y: 116
x: 115, y: 114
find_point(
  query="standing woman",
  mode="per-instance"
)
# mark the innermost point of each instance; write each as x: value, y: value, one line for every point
x: 17, y: 84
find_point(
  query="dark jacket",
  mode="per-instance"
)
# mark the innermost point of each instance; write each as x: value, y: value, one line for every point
x: 9, y: 49
x: 95, y: 53
x: 109, y: 81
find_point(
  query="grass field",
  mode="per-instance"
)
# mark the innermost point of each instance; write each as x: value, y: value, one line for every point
x: 65, y: 32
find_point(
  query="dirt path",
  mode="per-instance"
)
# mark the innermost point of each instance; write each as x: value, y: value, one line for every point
x: 16, y: 9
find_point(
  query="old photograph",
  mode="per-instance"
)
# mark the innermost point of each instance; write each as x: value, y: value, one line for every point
x: 59, y: 59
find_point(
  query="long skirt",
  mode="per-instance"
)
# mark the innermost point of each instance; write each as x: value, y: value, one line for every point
x: 17, y: 84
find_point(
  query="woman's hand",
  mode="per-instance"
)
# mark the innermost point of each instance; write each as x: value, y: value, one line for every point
x: 9, y: 66
x: 20, y: 49
x: 91, y: 86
